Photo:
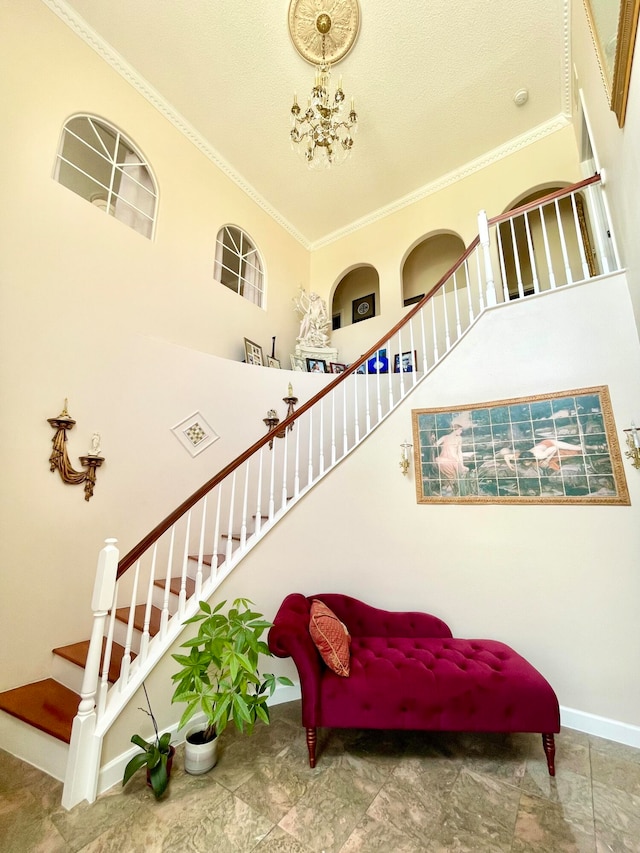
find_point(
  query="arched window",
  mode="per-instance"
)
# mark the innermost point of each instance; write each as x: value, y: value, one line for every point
x: 99, y: 163
x: 238, y: 264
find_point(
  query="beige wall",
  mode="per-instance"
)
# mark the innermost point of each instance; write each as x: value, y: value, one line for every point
x: 132, y: 332
x: 386, y: 243
x: 617, y: 148
x: 137, y: 336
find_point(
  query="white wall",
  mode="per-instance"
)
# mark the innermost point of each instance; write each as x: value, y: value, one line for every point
x: 558, y: 583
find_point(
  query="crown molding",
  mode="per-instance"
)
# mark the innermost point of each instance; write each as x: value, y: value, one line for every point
x: 82, y: 29
x: 516, y: 144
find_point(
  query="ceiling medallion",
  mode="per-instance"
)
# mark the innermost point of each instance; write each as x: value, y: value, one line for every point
x: 329, y: 25
x: 323, y: 32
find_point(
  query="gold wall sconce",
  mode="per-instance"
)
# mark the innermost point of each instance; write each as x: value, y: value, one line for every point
x: 405, y: 460
x: 633, y: 443
x: 59, y: 459
x: 272, y: 420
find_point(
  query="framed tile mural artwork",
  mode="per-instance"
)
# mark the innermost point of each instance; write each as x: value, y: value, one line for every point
x: 557, y: 448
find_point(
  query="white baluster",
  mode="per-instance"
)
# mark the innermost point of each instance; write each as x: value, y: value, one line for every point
x: 164, y: 617
x: 532, y: 257
x: 296, y: 476
x: 583, y: 257
x: 457, y: 305
x: 321, y: 438
x: 356, y: 410
x: 310, y: 461
x: 483, y: 231
x: 245, y: 497
x: 390, y: 374
x: 477, y: 252
x: 126, y: 657
x: 106, y: 663
x: 503, y: 271
x: 377, y: 381
x: 547, y: 250
x: 333, y: 424
x: 516, y: 258
x: 232, y: 501
x: 216, y: 536
x: 447, y: 336
x: 258, y: 524
x: 563, y: 245
x: 367, y: 397
x: 146, y: 635
x: 400, y: 364
x: 468, y: 285
x: 425, y: 364
x: 182, y: 597
x: 600, y: 228
x: 434, y: 329
x: 203, y: 525
x: 414, y: 360
x: 285, y: 465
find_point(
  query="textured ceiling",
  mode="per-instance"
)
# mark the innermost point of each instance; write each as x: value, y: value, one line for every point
x: 433, y: 81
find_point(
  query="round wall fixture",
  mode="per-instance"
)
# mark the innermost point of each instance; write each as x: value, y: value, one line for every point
x: 323, y: 31
x: 521, y: 97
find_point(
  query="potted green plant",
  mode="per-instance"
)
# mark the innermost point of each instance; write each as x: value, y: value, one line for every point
x: 220, y: 677
x: 156, y: 756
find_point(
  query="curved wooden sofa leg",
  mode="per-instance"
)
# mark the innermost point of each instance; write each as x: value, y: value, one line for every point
x: 549, y: 744
x: 312, y: 739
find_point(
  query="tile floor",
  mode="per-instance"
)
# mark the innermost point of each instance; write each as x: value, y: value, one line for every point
x: 372, y: 792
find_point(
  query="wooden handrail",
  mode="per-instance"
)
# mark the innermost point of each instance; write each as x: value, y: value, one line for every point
x: 532, y: 205
x: 136, y: 552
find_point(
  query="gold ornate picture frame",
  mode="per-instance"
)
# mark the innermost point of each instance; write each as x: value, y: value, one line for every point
x: 556, y: 448
x: 614, y: 24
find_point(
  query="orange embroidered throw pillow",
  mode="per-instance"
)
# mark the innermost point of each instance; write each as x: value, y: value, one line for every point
x: 330, y: 636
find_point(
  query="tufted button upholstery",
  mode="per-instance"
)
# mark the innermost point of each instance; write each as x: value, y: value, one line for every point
x: 408, y: 672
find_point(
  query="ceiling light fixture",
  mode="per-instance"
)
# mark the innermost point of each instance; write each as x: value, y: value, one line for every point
x: 323, y: 33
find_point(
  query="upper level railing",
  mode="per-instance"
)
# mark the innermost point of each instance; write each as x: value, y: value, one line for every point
x: 141, y: 602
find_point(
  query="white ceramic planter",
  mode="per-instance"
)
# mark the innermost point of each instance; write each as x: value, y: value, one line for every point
x: 199, y: 757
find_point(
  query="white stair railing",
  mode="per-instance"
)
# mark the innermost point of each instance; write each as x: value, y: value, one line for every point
x: 538, y: 247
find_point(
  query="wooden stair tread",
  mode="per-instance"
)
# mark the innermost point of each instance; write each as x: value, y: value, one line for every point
x: 122, y: 614
x: 77, y: 653
x: 207, y: 559
x: 47, y: 705
x: 176, y: 583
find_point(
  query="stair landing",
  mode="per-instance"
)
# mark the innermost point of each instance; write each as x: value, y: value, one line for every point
x: 47, y: 705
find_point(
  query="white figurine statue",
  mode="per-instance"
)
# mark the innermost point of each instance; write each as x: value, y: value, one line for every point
x: 315, y: 321
x: 95, y: 444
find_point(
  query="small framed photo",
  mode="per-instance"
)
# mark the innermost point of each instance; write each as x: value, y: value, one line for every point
x: 273, y: 362
x: 378, y: 363
x: 253, y: 353
x: 336, y: 367
x: 298, y: 364
x: 408, y: 362
x: 316, y: 365
x: 363, y: 308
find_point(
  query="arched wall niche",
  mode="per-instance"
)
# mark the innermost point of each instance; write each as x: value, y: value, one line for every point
x: 427, y: 261
x: 538, y: 245
x: 356, y: 296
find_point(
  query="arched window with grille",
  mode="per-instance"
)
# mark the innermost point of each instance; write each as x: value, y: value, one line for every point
x: 99, y: 163
x: 238, y: 264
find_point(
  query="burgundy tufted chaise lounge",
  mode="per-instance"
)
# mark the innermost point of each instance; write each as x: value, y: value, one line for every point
x: 408, y: 672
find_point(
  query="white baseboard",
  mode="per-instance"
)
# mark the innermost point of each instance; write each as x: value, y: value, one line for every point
x: 112, y: 772
x: 592, y: 724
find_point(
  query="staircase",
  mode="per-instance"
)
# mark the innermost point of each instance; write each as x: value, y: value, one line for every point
x: 168, y: 572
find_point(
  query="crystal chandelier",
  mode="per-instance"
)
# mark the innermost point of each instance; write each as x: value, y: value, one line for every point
x: 323, y: 132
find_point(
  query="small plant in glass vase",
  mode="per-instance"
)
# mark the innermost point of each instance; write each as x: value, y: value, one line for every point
x: 156, y: 756
x: 220, y: 677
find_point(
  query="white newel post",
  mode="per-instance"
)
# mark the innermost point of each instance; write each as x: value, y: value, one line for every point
x: 81, y: 778
x: 483, y: 231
